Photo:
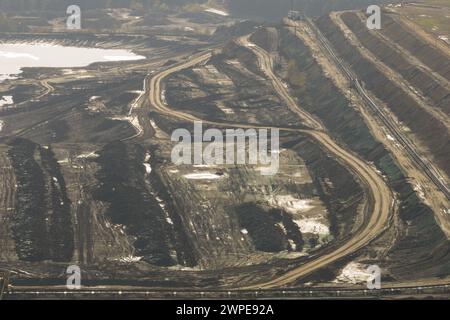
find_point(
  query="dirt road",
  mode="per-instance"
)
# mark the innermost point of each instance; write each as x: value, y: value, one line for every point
x: 380, y: 194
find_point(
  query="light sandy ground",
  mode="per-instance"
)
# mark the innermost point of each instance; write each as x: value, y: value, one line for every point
x: 312, y: 225
x: 353, y: 273
x: 202, y: 176
x: 88, y: 155
x: 218, y: 12
x: 6, y: 100
x: 148, y: 168
x: 291, y: 204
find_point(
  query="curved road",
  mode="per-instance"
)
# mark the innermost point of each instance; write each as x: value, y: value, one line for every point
x: 380, y: 193
x: 381, y: 197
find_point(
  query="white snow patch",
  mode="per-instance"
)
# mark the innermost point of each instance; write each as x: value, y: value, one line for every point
x: 391, y: 138
x: 244, y: 231
x: 444, y: 38
x: 291, y: 204
x: 312, y: 225
x: 292, y: 244
x: 282, y: 227
x: 130, y: 259
x: 2, y: 124
x: 225, y: 109
x: 6, y: 100
x: 148, y: 168
x: 134, y: 121
x: 88, y: 155
x: 204, y: 166
x: 123, y: 58
x: 418, y: 188
x: 216, y: 11
x: 16, y: 55
x: 202, y: 176
x: 353, y: 273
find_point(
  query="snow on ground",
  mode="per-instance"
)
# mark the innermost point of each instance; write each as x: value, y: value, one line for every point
x: 353, y: 273
x: 444, y: 38
x: 88, y: 155
x: 130, y: 259
x: 15, y: 55
x: 292, y: 244
x: 291, y: 204
x: 134, y: 104
x: 6, y: 100
x: 154, y: 124
x: 2, y: 124
x: 391, y: 138
x: 123, y: 58
x: 202, y: 176
x: 244, y: 231
x: 312, y: 225
x: 163, y: 96
x: 133, y: 120
x: 148, y: 168
x: 205, y: 166
x: 419, y: 190
x: 216, y: 11
x: 225, y: 109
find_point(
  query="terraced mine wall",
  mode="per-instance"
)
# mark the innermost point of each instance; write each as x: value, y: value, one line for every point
x: 41, y: 225
x: 421, y: 237
x: 131, y: 204
x: 438, y: 94
x: 430, y: 56
x: 432, y: 133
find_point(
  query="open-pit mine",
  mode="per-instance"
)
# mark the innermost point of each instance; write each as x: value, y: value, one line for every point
x: 358, y: 205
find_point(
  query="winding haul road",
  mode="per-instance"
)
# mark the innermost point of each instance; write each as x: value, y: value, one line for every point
x: 380, y: 195
x: 381, y: 200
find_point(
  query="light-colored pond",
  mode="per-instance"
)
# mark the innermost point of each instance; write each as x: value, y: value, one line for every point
x: 15, y: 56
